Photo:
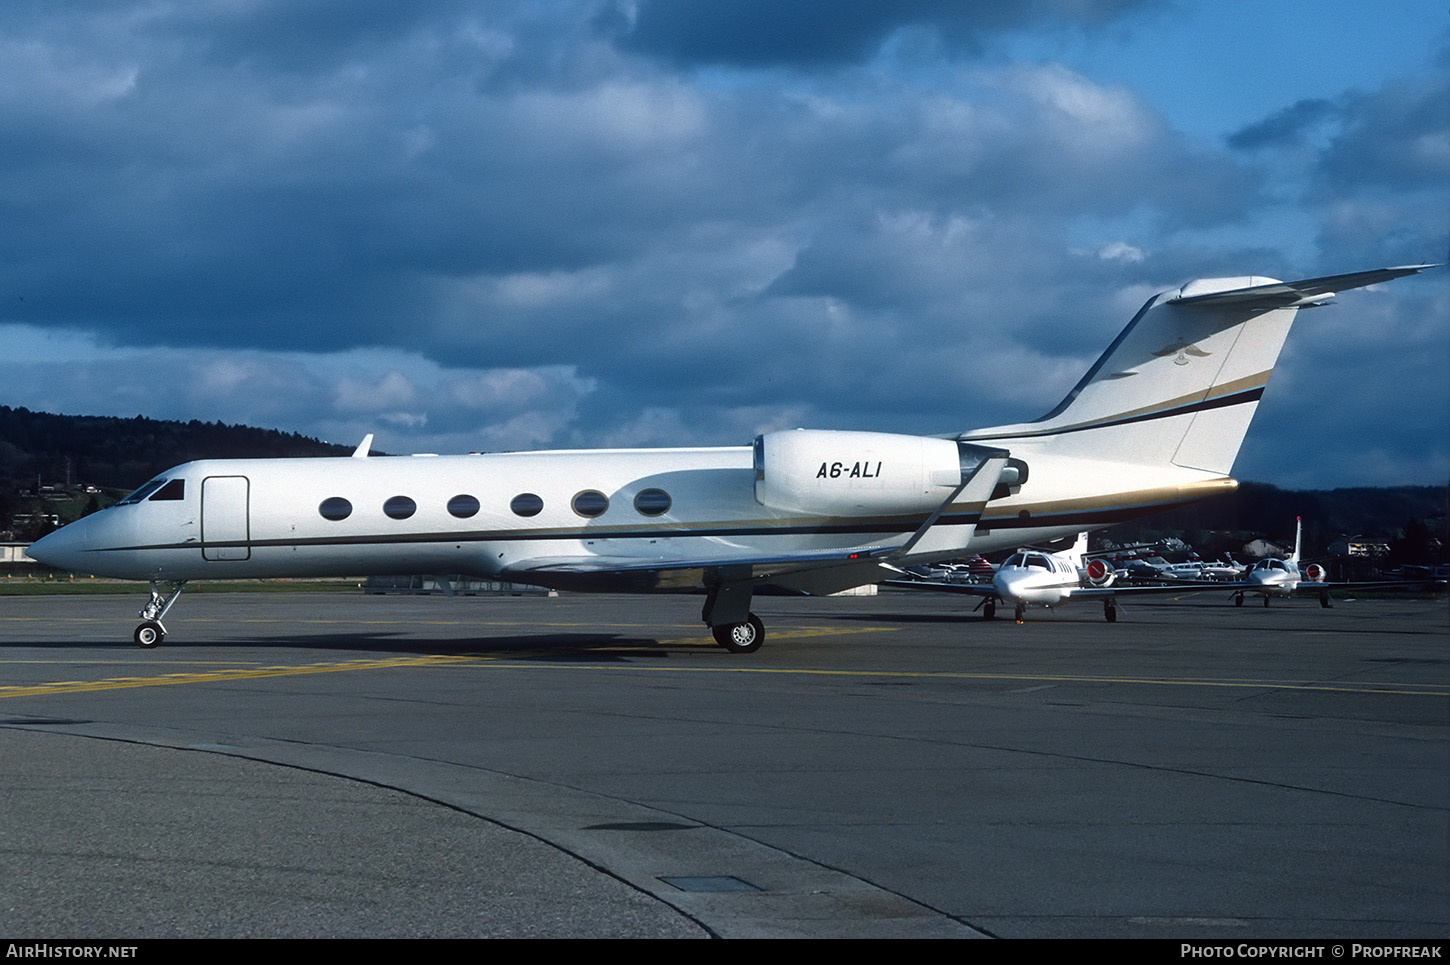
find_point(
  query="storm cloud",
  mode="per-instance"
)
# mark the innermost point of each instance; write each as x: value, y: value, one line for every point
x: 508, y: 225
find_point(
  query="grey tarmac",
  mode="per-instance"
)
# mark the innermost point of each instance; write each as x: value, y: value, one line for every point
x: 334, y: 764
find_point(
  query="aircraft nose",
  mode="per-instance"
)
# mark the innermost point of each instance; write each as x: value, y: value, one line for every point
x: 63, y: 548
x: 1008, y: 586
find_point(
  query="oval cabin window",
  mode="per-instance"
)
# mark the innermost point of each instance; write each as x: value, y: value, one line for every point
x: 652, y: 502
x: 399, y: 507
x: 463, y: 506
x: 335, y: 508
x: 590, y: 503
x: 526, y: 504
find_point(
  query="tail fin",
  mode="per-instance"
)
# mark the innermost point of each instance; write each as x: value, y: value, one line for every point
x: 1180, y: 384
x: 1298, y: 536
x: 1078, y: 550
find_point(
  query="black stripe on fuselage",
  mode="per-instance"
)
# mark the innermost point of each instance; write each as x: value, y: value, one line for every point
x: 1221, y: 402
x: 1078, y: 518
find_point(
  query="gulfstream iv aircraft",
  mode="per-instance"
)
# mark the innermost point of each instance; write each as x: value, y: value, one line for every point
x: 1157, y: 421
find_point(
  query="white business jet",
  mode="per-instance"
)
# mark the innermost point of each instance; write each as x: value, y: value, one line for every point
x: 1272, y: 576
x: 1038, y: 577
x: 1224, y: 571
x: 1156, y: 422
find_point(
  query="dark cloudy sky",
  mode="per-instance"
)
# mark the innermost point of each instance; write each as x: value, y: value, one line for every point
x: 498, y: 225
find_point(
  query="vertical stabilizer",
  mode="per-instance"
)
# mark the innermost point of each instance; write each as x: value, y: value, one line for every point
x: 1179, y: 385
x: 1078, y: 552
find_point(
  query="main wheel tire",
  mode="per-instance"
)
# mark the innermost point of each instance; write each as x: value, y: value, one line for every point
x: 149, y: 634
x: 1239, y: 600
x: 989, y: 610
x: 740, y: 637
x: 1110, y: 613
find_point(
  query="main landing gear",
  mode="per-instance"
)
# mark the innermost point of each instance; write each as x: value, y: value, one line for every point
x: 727, y: 612
x: 743, y: 637
x: 151, y: 632
x: 1110, y: 610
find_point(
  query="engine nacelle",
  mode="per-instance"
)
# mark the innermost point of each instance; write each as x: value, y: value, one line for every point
x: 1315, y: 573
x: 831, y: 473
x: 1099, y: 573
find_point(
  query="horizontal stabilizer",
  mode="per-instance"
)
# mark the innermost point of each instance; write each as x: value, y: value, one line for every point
x: 1286, y: 294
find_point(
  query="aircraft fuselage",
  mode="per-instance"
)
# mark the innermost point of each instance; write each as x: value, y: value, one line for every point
x: 493, y: 515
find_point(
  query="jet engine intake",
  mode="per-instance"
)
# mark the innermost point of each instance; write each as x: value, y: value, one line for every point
x: 1099, y: 573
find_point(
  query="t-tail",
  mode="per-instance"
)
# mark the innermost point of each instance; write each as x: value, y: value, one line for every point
x: 1180, y: 384
x: 1159, y: 418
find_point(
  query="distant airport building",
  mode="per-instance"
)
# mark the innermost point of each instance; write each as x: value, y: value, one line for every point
x: 15, y: 553
x: 1360, y: 546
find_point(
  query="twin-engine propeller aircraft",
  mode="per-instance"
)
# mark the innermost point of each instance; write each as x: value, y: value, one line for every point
x: 1156, y: 422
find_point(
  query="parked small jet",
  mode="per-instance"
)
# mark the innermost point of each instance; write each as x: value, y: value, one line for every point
x: 1038, y: 577
x: 1225, y: 571
x: 1275, y: 577
x: 1284, y: 578
x: 1156, y: 422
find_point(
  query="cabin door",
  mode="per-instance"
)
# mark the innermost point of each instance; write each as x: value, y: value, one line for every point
x: 224, y: 529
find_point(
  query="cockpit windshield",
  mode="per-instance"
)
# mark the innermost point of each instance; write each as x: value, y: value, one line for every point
x: 157, y: 489
x: 143, y: 492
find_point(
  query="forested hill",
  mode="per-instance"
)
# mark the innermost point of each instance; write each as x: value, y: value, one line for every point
x: 1259, y: 509
x: 64, y: 450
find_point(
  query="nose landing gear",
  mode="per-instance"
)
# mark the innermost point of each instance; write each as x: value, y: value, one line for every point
x: 151, y: 631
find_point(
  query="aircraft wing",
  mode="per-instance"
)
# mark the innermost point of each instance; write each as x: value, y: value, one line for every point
x: 964, y: 589
x: 1307, y: 292
x: 625, y: 572
x: 807, y: 571
x: 1076, y: 590
x: 1311, y: 586
x: 1116, y: 591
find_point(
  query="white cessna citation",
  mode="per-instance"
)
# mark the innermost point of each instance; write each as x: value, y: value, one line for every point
x: 1157, y: 421
x: 1275, y: 577
x: 1034, y: 576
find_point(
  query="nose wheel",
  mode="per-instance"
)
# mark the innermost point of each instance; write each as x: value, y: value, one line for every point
x: 149, y: 634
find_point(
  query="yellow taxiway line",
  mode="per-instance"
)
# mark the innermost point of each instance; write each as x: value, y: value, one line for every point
x: 500, y: 662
